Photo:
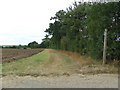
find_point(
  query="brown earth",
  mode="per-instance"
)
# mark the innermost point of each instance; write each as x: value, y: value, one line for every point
x: 72, y: 81
x: 9, y: 55
x: 65, y: 69
x: 60, y: 63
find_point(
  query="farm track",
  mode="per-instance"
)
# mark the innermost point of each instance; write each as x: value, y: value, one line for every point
x: 55, y: 63
x: 9, y: 55
x: 57, y: 69
x: 59, y: 64
x: 73, y: 81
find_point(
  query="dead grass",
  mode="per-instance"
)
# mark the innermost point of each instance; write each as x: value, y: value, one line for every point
x: 82, y: 60
x: 58, y: 62
x: 90, y: 66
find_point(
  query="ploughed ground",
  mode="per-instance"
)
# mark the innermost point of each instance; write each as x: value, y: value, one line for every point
x: 59, y: 69
x: 9, y: 55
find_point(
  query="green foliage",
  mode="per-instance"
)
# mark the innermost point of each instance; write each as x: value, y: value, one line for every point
x: 33, y: 44
x: 81, y: 29
x: 64, y: 42
x: 46, y: 42
x: 16, y: 46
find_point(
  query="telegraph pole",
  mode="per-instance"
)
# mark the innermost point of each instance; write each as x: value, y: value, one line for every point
x: 105, y: 47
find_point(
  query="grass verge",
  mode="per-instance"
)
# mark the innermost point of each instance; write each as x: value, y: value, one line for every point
x: 30, y: 65
x: 55, y: 63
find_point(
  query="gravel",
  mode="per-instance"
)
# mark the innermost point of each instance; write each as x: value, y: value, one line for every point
x: 72, y: 81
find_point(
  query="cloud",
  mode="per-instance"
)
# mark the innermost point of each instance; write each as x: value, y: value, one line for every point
x: 22, y: 21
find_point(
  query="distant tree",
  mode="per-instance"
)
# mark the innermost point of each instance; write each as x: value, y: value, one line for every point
x: 45, y: 42
x: 33, y: 44
x: 13, y: 47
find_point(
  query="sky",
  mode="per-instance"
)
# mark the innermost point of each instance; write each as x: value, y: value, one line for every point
x: 24, y: 21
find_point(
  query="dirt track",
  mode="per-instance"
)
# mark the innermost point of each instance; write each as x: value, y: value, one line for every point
x: 61, y: 71
x: 73, y: 81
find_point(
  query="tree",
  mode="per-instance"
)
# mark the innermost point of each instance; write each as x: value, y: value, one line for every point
x: 81, y: 29
x: 33, y: 44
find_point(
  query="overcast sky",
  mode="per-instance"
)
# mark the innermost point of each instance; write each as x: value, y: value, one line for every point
x: 23, y: 21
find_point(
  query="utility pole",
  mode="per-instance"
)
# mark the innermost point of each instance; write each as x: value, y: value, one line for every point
x: 105, y: 47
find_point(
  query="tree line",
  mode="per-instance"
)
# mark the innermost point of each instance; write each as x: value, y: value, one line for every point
x: 80, y: 28
x: 31, y: 45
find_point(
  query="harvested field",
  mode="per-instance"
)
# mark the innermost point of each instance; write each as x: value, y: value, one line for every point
x: 9, y: 55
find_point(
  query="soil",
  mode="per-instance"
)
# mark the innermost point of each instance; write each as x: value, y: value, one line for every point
x: 9, y: 55
x: 61, y: 71
x: 72, y: 81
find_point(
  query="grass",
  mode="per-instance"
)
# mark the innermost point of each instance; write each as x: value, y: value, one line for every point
x: 56, y: 62
x: 59, y: 63
x: 28, y: 65
x: 0, y: 69
x: 90, y: 66
x: 47, y: 62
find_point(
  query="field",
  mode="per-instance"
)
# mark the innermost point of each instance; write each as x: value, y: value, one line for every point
x: 55, y: 68
x: 9, y: 55
x: 55, y: 62
x: 48, y: 62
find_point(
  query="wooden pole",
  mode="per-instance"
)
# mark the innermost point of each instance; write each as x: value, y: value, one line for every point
x: 105, y: 47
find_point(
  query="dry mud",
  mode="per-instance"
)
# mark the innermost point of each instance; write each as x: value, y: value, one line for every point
x: 72, y: 81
